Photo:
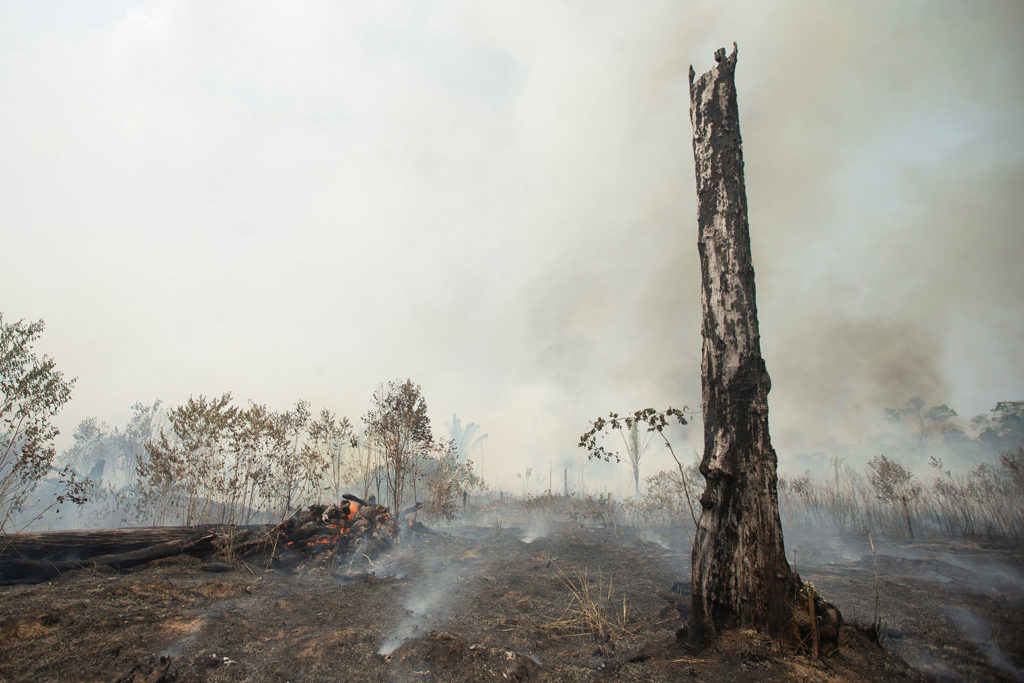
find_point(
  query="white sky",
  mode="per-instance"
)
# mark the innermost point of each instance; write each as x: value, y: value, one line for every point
x: 305, y: 199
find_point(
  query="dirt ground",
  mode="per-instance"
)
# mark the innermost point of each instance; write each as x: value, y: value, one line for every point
x: 475, y: 603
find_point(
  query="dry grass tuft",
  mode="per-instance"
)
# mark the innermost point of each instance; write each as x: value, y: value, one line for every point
x: 591, y: 611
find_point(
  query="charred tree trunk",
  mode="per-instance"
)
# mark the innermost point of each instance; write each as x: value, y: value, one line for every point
x: 740, y: 573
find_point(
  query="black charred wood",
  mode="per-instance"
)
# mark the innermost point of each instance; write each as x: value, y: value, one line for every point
x: 153, y: 670
x: 304, y: 531
x: 35, y: 571
x: 86, y: 543
x: 411, y: 509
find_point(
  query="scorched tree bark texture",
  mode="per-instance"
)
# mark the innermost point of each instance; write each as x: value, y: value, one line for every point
x: 740, y: 573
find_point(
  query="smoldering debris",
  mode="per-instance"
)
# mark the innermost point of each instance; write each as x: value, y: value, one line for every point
x: 325, y: 537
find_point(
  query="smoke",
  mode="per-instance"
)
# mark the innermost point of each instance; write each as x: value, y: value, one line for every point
x: 987, y: 577
x: 651, y: 536
x: 538, y: 527
x: 430, y: 601
x: 976, y: 631
x: 499, y: 204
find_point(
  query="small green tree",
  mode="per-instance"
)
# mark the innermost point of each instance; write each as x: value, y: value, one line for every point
x: 32, y: 391
x: 647, y: 422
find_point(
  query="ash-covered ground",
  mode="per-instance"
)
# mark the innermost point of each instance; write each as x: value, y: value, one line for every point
x: 953, y: 609
x: 527, y: 602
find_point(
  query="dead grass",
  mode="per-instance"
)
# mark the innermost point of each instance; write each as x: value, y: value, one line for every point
x: 592, y: 609
x: 987, y: 500
x: 28, y: 627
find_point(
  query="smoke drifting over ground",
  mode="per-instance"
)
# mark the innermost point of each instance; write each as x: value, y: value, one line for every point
x: 428, y: 602
x: 499, y: 204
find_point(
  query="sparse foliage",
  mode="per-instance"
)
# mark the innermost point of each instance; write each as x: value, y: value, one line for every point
x: 524, y: 476
x: 925, y: 420
x: 1002, y: 430
x: 447, y: 478
x: 329, y: 440
x: 989, y: 499
x: 182, y: 472
x: 669, y: 494
x: 32, y: 391
x: 398, y: 429
x: 890, y: 481
x: 296, y: 468
x: 651, y: 422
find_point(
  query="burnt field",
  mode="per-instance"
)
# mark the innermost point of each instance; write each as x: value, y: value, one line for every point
x: 483, y: 602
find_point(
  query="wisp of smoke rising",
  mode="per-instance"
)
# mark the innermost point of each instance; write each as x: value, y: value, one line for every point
x: 975, y: 629
x: 433, y: 587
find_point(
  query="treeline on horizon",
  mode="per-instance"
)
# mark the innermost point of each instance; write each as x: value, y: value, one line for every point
x: 209, y: 460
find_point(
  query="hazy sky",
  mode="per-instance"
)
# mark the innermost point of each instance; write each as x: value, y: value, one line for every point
x: 304, y: 199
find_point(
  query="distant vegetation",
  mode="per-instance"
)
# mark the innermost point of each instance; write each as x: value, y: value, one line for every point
x: 908, y: 488
x: 883, y: 499
x: 987, y: 500
x: 886, y: 497
x: 210, y: 460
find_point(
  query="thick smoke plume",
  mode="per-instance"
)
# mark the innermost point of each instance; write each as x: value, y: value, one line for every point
x: 499, y: 203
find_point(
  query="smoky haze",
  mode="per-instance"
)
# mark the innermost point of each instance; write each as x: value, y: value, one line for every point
x: 498, y: 201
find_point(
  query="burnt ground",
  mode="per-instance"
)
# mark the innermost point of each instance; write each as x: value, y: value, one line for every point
x: 473, y: 604
x: 954, y: 610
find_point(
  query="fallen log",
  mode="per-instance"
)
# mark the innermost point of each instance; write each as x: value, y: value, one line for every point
x: 16, y: 570
x: 347, y: 526
x: 85, y: 543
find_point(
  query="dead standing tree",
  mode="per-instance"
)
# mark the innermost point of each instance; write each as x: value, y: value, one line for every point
x: 740, y: 573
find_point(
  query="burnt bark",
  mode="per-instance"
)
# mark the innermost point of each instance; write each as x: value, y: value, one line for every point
x: 740, y: 573
x: 13, y: 571
x: 85, y: 543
